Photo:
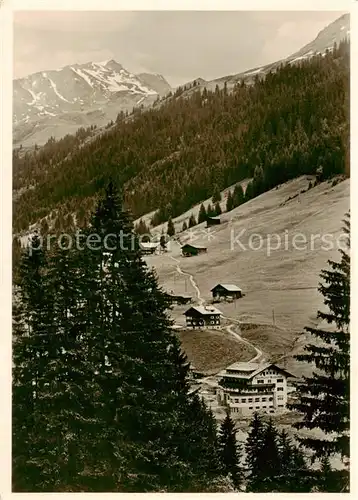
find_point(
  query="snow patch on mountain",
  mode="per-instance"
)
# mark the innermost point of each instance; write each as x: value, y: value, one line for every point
x: 82, y: 75
x: 53, y: 85
x: 35, y: 97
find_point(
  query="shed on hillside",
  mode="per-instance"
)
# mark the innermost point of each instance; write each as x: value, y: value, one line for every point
x: 223, y: 291
x: 213, y: 221
x: 190, y: 250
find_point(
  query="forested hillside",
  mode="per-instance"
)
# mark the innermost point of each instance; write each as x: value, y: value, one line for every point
x: 294, y: 122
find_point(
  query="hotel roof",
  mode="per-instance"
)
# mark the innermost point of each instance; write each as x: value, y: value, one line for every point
x: 205, y: 310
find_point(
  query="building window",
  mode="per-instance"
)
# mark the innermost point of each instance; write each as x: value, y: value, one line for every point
x: 280, y: 388
x: 250, y: 400
x: 280, y: 406
x: 280, y: 380
x: 236, y: 401
x: 260, y: 381
x: 257, y: 399
x: 279, y: 397
x: 270, y: 399
x: 264, y: 406
x: 269, y: 381
x: 243, y: 400
x: 257, y: 407
x: 263, y: 399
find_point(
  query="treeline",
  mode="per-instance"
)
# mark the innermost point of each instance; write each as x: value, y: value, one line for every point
x: 29, y: 166
x: 293, y: 122
x: 101, y: 393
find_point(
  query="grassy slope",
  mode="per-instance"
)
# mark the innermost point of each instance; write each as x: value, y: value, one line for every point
x: 213, y: 350
x: 285, y: 281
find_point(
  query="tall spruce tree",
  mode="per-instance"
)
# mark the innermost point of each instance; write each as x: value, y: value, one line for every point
x: 151, y: 401
x: 324, y: 397
x: 210, y: 211
x: 33, y: 348
x: 229, y: 202
x: 293, y: 474
x: 171, y: 228
x: 216, y: 195
x: 269, y: 459
x: 254, y: 446
x: 238, y: 196
x: 249, y: 192
x: 202, y: 445
x: 52, y: 374
x: 202, y: 214
x: 192, y: 221
x: 217, y: 209
x: 326, y: 481
x: 163, y: 240
x: 229, y: 451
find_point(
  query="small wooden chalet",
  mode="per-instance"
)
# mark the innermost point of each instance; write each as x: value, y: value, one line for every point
x: 212, y: 221
x: 203, y: 317
x: 224, y: 291
x: 179, y: 299
x: 148, y: 247
x: 190, y: 250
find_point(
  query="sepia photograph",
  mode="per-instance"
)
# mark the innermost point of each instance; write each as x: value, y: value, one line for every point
x: 181, y: 251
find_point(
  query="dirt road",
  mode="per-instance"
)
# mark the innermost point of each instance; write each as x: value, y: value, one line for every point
x: 230, y: 328
x: 259, y: 354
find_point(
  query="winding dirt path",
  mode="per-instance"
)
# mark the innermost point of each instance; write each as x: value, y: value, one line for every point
x: 259, y: 353
x: 229, y: 328
x: 200, y: 300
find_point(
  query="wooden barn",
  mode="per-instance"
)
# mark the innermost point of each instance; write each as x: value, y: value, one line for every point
x: 213, y: 221
x: 190, y: 250
x: 149, y: 247
x: 203, y: 317
x: 221, y: 291
x: 179, y: 299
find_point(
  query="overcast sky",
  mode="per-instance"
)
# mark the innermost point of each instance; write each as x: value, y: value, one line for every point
x: 179, y: 45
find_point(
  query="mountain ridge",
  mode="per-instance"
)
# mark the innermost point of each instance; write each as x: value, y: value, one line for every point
x: 37, y: 125
x: 77, y: 93
x: 336, y: 31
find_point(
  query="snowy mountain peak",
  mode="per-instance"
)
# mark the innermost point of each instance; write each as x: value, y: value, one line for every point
x: 78, y: 93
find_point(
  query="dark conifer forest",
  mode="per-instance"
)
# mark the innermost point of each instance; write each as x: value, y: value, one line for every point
x: 101, y: 394
x: 192, y: 145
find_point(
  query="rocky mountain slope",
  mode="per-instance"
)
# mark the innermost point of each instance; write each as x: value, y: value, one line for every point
x: 60, y: 101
